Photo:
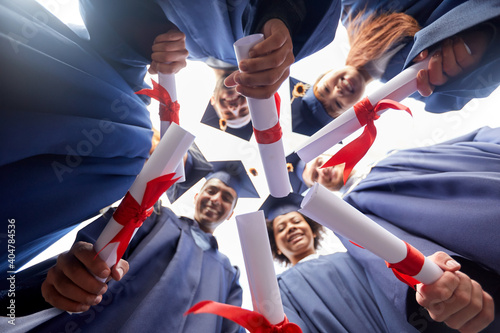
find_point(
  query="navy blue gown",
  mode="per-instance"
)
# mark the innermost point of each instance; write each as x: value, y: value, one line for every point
x: 124, y: 31
x: 438, y: 198
x: 440, y: 20
x: 73, y: 135
x: 334, y: 294
x: 169, y: 273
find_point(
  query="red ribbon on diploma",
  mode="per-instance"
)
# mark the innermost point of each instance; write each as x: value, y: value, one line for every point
x: 131, y: 214
x: 273, y: 134
x: 410, y: 266
x: 253, y: 321
x: 354, y: 151
x: 169, y: 111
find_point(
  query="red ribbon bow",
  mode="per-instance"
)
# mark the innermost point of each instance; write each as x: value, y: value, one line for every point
x: 354, y: 151
x: 169, y: 111
x: 273, y: 134
x: 253, y: 321
x: 131, y: 214
x: 409, y: 266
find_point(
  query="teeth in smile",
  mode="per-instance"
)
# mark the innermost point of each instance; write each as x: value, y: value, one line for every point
x: 348, y: 85
x: 294, y: 236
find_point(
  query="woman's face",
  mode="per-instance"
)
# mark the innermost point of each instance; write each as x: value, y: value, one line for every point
x: 293, y: 236
x: 339, y: 90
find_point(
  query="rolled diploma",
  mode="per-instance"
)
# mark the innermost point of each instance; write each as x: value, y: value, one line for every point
x: 326, y: 208
x: 264, y: 289
x: 398, y: 88
x: 172, y: 147
x: 264, y: 115
x: 167, y: 81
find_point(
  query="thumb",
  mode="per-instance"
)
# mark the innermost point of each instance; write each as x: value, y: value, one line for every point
x: 445, y: 262
x: 421, y: 56
x: 229, y: 81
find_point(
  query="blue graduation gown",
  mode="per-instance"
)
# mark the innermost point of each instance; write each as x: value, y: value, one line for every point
x: 124, y: 31
x: 334, y: 294
x: 438, y: 198
x: 73, y: 135
x: 440, y: 20
x: 169, y: 273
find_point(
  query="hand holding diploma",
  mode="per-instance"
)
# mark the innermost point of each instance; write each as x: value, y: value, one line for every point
x: 169, y: 56
x: 267, y: 129
x: 448, y: 294
x: 78, y: 279
x: 268, y: 64
x: 326, y: 208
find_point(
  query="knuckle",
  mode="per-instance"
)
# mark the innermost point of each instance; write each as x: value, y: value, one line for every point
x: 453, y: 324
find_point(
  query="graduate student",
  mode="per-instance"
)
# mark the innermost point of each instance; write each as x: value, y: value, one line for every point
x: 174, y: 263
x: 336, y: 293
x: 386, y: 37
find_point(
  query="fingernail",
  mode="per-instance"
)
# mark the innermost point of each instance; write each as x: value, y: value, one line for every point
x: 243, y: 66
x: 104, y: 274
x: 120, y: 272
x: 97, y: 300
x: 237, y: 78
x: 452, y: 264
x: 103, y: 290
x: 82, y: 308
x: 251, y: 54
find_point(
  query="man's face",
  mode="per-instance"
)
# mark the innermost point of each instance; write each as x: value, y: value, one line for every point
x: 339, y: 90
x: 214, y: 204
x: 331, y: 177
x: 229, y: 104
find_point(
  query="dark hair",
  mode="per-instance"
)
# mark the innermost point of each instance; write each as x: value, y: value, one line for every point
x: 316, y: 228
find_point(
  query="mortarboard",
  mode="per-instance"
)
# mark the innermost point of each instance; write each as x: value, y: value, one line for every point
x: 195, y: 168
x: 211, y: 118
x: 308, y: 114
x: 273, y: 207
x: 234, y: 175
x: 295, y: 169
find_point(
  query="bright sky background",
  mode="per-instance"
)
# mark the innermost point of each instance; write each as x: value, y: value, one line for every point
x: 396, y: 130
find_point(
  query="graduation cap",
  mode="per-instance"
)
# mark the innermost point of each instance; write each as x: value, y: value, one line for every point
x: 234, y: 175
x: 273, y: 207
x: 295, y: 169
x: 211, y: 118
x: 308, y: 114
x: 195, y: 168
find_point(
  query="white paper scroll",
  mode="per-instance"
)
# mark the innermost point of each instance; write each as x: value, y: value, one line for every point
x: 164, y: 160
x: 264, y: 116
x: 167, y: 81
x: 259, y: 266
x: 398, y: 88
x: 326, y: 208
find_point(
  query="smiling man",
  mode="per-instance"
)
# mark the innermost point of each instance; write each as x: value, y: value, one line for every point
x: 174, y: 264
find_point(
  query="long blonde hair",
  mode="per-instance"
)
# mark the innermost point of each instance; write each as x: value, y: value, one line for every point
x: 370, y: 37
